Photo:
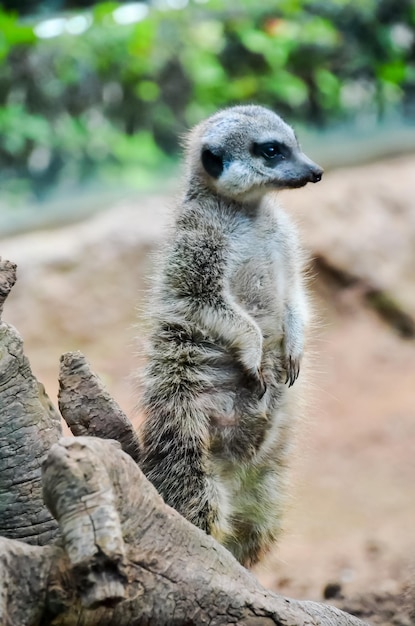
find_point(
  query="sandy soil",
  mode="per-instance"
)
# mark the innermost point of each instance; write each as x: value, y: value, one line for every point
x: 352, y: 515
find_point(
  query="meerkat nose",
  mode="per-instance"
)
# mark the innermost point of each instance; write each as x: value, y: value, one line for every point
x: 316, y: 174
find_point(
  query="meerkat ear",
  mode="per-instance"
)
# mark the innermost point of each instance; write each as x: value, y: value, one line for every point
x: 212, y: 162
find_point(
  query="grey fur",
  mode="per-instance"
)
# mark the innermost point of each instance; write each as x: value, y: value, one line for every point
x: 229, y: 316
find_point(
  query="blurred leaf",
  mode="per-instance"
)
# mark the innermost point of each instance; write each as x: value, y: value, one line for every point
x: 319, y: 31
x: 209, y: 35
x: 102, y: 11
x: 141, y: 41
x: 140, y: 148
x: 242, y: 89
x: 329, y: 87
x: 393, y: 72
x: 17, y: 126
x: 288, y: 88
x: 70, y: 134
x: 148, y: 90
x: 12, y: 32
x: 255, y: 40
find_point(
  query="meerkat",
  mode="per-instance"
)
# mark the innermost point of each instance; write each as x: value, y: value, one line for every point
x: 229, y: 315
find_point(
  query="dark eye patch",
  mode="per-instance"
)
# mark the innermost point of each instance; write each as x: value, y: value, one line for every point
x: 213, y: 163
x: 271, y: 150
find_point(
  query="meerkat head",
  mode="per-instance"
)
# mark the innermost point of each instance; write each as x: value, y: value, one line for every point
x: 245, y: 151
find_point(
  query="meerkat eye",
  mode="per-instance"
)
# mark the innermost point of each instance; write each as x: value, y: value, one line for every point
x: 270, y: 150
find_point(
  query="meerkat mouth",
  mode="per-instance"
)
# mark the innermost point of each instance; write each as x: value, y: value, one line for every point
x: 279, y: 185
x: 295, y: 183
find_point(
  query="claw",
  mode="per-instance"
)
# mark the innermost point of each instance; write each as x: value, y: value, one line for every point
x: 263, y: 386
x: 292, y: 367
x: 257, y: 383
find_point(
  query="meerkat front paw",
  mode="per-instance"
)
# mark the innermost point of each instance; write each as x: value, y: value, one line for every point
x: 293, y: 342
x: 256, y: 383
x: 250, y: 352
x: 250, y: 355
x: 292, y: 369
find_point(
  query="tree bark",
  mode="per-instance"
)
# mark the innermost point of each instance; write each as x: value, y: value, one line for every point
x: 120, y: 555
x: 88, y: 408
x: 29, y: 425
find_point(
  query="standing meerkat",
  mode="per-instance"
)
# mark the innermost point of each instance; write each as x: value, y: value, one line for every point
x: 229, y: 315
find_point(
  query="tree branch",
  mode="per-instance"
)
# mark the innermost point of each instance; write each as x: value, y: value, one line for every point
x: 87, y: 407
x: 7, y: 280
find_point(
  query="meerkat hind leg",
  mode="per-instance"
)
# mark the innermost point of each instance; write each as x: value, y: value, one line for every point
x: 256, y: 514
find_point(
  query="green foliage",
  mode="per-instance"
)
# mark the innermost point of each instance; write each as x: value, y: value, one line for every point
x: 12, y: 33
x: 116, y: 97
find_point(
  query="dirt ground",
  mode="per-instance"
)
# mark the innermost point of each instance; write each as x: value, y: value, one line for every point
x: 351, y: 522
x: 350, y: 526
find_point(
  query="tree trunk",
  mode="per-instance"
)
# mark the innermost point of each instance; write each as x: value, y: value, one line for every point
x: 116, y: 554
x: 29, y: 425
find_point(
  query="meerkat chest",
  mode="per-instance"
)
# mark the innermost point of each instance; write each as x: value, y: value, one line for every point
x: 259, y: 275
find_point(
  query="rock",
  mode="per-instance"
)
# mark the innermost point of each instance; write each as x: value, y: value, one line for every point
x: 332, y: 590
